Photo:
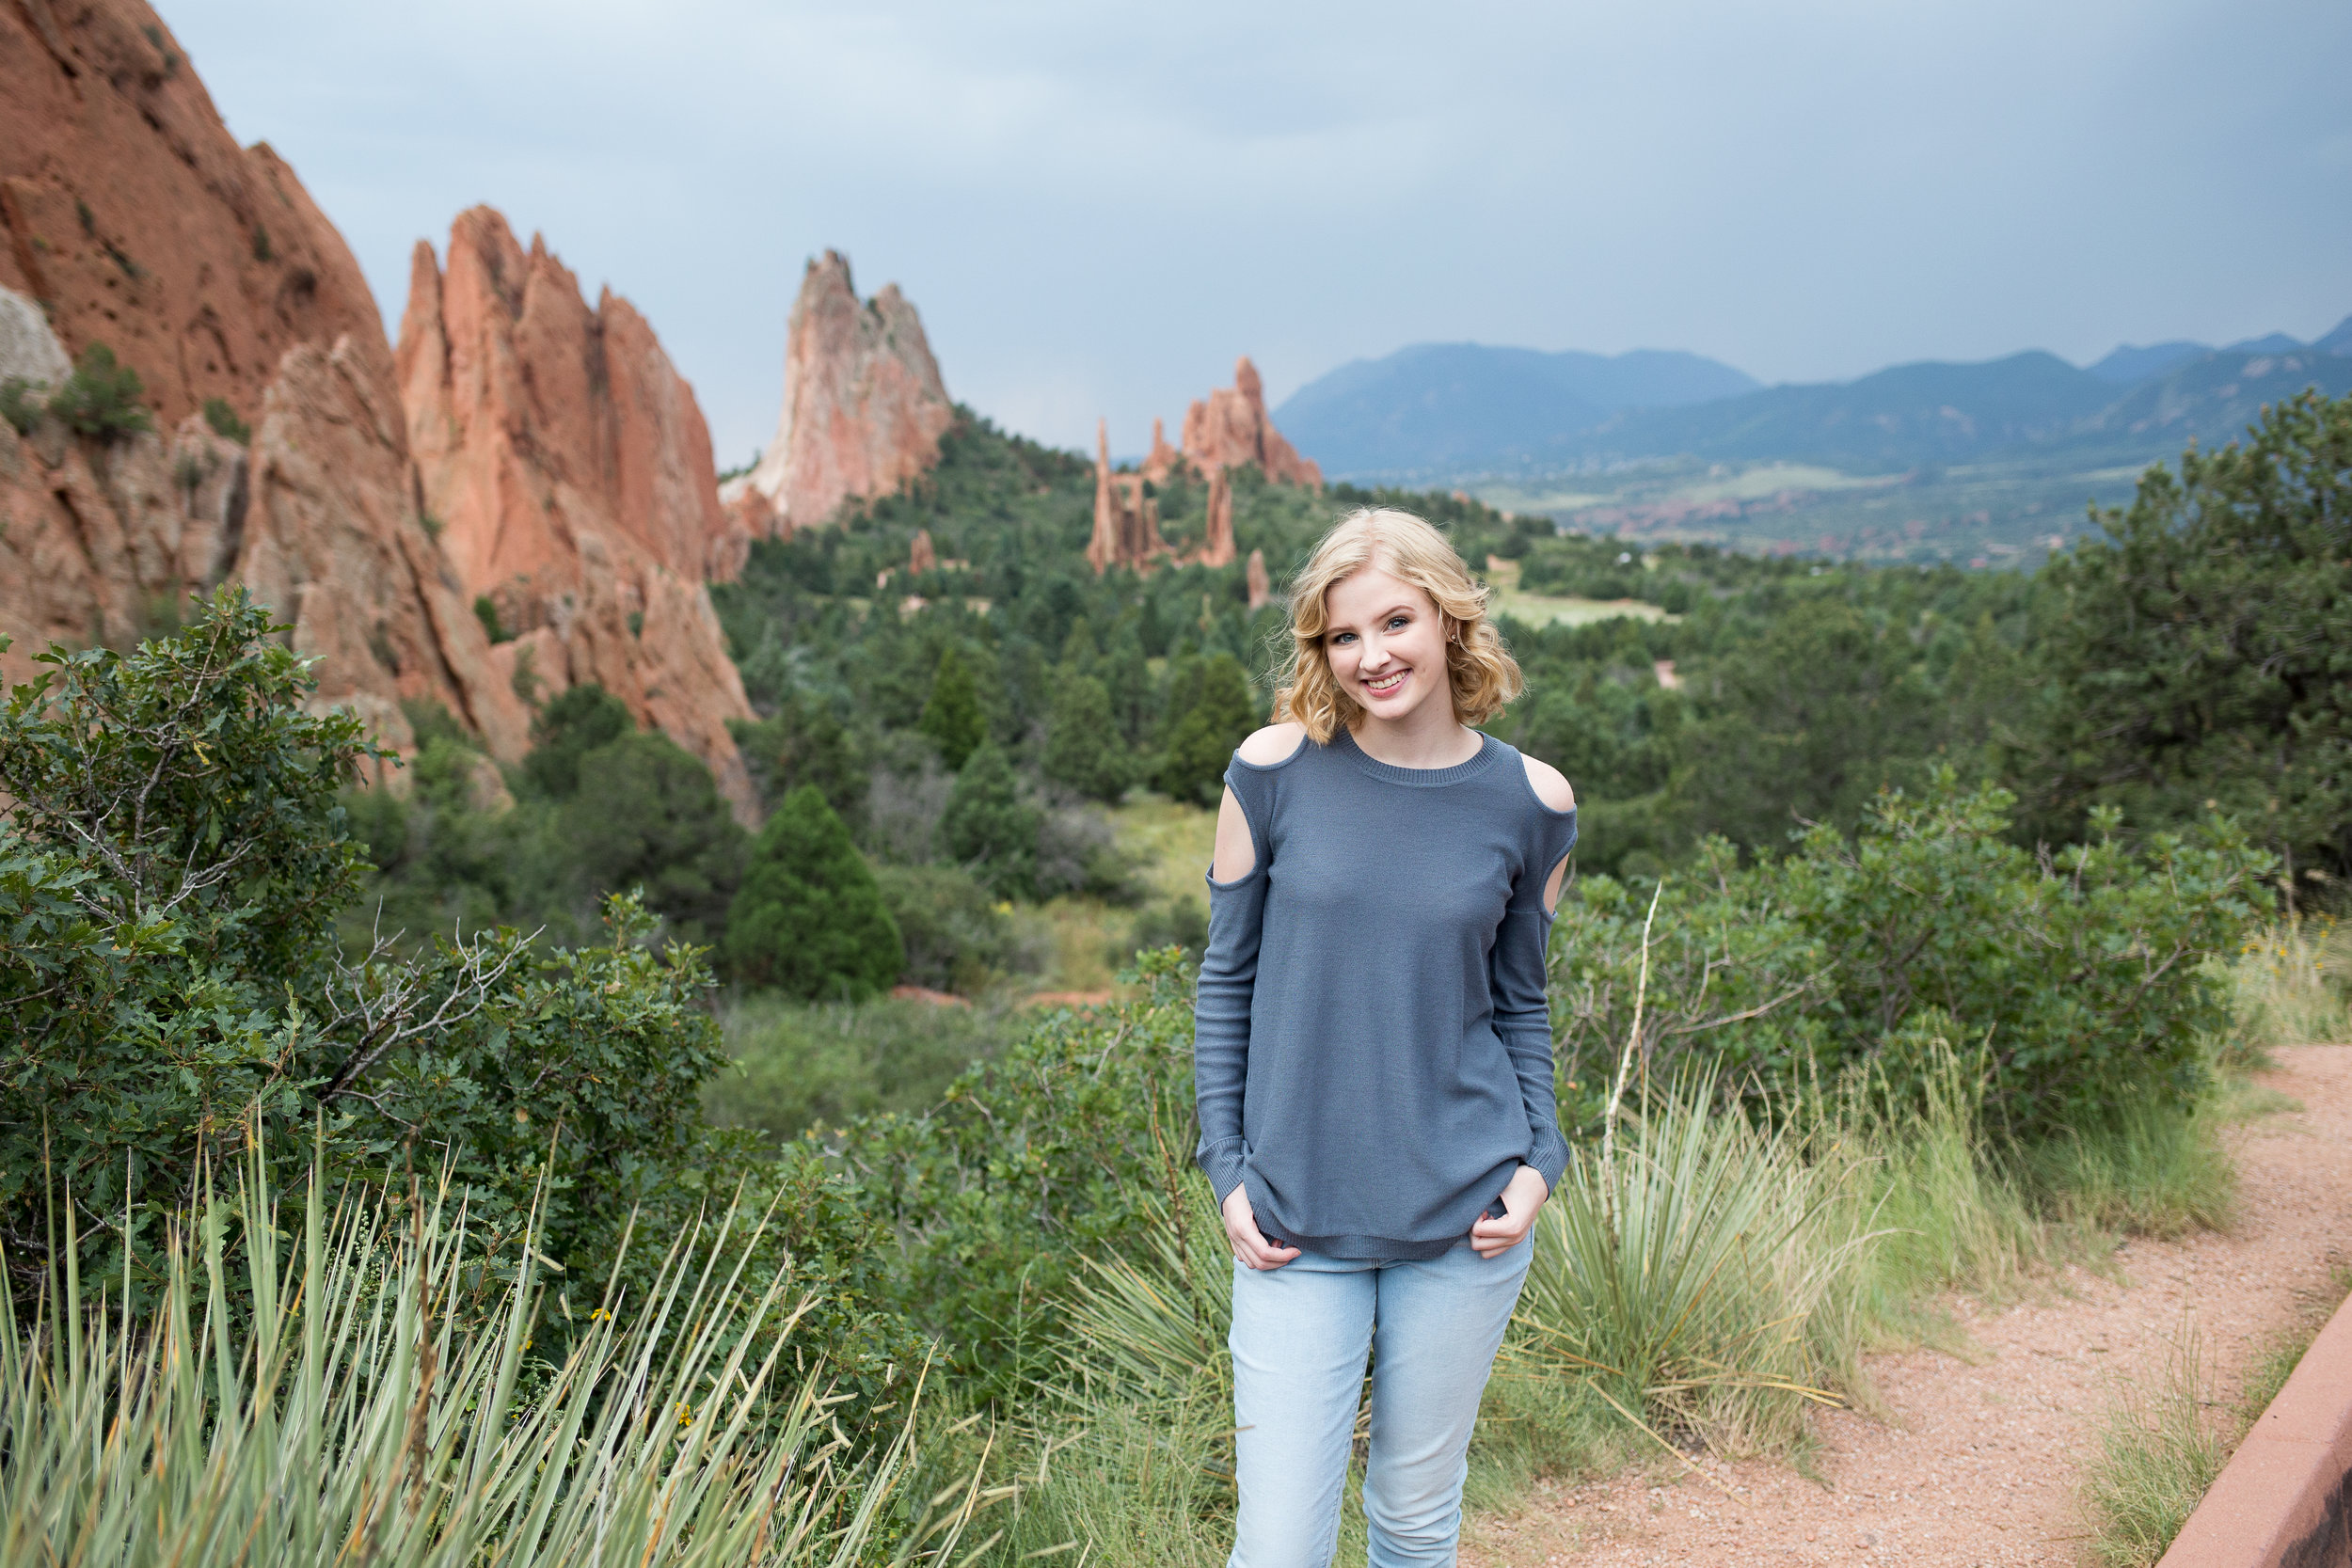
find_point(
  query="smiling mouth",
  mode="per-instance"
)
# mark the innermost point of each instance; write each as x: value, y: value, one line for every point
x: 1387, y: 684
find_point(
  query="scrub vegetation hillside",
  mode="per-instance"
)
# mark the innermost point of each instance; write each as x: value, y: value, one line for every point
x: 529, y: 1162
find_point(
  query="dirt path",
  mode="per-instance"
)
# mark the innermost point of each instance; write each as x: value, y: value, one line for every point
x: 1979, y: 1464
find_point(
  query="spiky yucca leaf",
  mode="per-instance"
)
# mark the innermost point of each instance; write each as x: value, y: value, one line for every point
x: 344, y: 1413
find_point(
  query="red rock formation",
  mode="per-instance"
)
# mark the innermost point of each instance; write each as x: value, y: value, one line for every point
x: 1127, y: 521
x: 134, y: 219
x: 1261, y: 591
x: 334, y: 541
x: 1233, y: 427
x: 569, y: 468
x: 921, y: 556
x: 1216, y: 542
x: 864, y: 406
x: 1161, y: 460
x: 131, y: 213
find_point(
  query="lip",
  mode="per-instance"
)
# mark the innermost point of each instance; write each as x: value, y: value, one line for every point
x: 1388, y: 684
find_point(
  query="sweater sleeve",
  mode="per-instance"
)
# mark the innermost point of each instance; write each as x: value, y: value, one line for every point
x: 1229, y: 979
x: 1522, y: 1003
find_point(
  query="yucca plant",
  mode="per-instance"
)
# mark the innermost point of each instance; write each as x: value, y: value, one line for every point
x: 1683, y: 1276
x: 343, y: 1409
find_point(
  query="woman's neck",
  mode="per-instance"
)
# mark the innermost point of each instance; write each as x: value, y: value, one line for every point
x: 1429, y: 736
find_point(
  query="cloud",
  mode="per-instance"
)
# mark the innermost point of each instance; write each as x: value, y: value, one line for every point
x: 1097, y: 207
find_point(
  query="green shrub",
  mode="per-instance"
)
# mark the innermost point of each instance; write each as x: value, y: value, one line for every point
x: 988, y: 829
x: 101, y: 396
x: 804, y: 744
x: 647, y: 815
x: 222, y: 417
x: 1210, y: 712
x: 173, y: 861
x: 800, y: 1064
x: 809, y: 919
x: 1048, y: 1153
x: 565, y: 729
x: 485, y: 610
x: 2081, y: 971
x: 955, y: 937
x: 1181, y: 923
x: 21, y: 402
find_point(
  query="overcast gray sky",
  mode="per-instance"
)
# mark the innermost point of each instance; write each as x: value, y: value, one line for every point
x: 1096, y: 208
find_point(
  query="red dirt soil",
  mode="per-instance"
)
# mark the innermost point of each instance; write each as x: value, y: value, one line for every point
x: 1982, y: 1464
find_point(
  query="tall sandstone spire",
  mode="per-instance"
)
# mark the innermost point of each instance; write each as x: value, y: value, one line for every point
x: 128, y: 216
x: 1127, y: 521
x: 568, y: 466
x: 864, y: 405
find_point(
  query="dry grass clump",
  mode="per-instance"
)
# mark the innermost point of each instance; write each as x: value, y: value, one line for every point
x: 2292, y: 985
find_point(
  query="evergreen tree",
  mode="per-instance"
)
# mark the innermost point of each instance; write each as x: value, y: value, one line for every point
x: 809, y: 919
x: 1211, y: 713
x: 989, y: 829
x: 952, y: 716
x: 2194, y: 655
x: 1082, y: 743
x: 1127, y: 673
x: 804, y: 744
x: 1078, y: 653
x: 567, y: 729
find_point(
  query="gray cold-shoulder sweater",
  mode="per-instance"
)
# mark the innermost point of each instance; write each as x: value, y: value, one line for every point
x: 1372, y: 1049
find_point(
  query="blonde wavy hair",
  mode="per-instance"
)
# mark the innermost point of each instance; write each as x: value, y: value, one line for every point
x: 1481, y: 671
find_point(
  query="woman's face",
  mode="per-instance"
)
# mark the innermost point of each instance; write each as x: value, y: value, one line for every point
x: 1387, y: 643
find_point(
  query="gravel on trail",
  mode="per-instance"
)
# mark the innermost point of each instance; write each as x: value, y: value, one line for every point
x: 1979, y: 1461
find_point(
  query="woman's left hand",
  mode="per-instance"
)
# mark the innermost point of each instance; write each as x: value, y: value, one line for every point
x: 1520, y: 1199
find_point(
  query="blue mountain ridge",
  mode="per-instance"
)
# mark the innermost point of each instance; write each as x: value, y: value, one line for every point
x: 1436, y: 411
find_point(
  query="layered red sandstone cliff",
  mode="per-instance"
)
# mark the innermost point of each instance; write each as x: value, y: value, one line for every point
x: 568, y: 468
x: 864, y: 405
x: 132, y: 218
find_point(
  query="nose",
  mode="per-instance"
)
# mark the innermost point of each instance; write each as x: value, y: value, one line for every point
x: 1374, y: 657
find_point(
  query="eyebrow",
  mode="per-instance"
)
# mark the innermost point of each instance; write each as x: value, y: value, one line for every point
x: 1392, y: 609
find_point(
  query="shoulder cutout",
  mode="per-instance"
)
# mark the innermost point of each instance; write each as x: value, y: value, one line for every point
x: 1272, y: 744
x: 1544, y: 780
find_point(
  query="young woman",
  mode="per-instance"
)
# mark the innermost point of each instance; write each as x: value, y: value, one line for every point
x: 1373, y: 1046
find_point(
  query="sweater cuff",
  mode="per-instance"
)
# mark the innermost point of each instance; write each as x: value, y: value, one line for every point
x: 1549, y: 1157
x: 1221, y: 1163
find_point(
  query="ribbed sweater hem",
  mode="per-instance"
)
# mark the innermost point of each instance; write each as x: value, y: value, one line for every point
x: 1373, y: 1249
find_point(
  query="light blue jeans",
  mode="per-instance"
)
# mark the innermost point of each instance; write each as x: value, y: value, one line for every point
x: 1300, y: 1337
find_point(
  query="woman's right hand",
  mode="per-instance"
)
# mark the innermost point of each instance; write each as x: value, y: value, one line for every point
x: 1242, y: 1234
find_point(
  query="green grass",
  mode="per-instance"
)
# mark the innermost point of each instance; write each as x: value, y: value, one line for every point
x: 2155, y: 1452
x: 2162, y: 1444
